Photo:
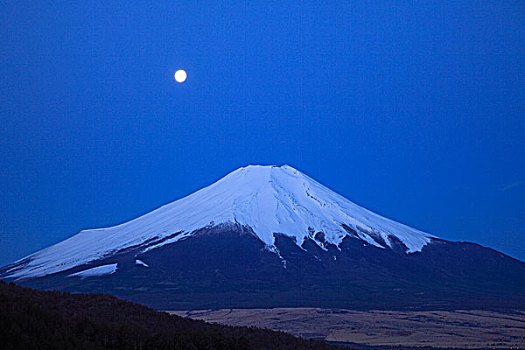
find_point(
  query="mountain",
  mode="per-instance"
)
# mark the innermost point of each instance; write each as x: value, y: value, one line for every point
x: 266, y: 199
x: 267, y: 236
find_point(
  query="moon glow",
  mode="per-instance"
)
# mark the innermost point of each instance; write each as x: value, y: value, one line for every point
x: 180, y: 76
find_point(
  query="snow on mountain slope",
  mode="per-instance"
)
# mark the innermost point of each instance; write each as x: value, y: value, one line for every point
x: 96, y: 271
x: 268, y: 199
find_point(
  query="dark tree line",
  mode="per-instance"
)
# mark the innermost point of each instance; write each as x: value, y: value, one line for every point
x: 32, y: 319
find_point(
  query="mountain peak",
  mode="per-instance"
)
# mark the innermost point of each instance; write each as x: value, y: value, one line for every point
x: 269, y: 199
x: 257, y: 175
x: 256, y: 169
x: 280, y: 199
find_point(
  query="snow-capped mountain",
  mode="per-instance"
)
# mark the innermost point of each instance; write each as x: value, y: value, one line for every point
x: 271, y: 236
x: 267, y: 199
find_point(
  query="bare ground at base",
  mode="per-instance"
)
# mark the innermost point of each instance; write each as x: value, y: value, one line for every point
x: 460, y: 328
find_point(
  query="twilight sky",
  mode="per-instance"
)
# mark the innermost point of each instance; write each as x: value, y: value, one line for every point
x: 415, y: 110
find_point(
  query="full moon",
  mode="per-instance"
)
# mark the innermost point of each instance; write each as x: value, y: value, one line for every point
x: 180, y: 76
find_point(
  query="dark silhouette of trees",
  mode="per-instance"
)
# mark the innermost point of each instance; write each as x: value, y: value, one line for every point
x: 32, y: 319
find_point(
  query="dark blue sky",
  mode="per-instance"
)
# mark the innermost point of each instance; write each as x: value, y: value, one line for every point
x: 414, y: 110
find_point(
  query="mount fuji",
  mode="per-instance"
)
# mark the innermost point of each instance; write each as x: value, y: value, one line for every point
x: 269, y: 236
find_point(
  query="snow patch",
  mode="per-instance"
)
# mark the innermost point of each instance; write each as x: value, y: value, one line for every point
x: 140, y: 262
x: 96, y: 271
